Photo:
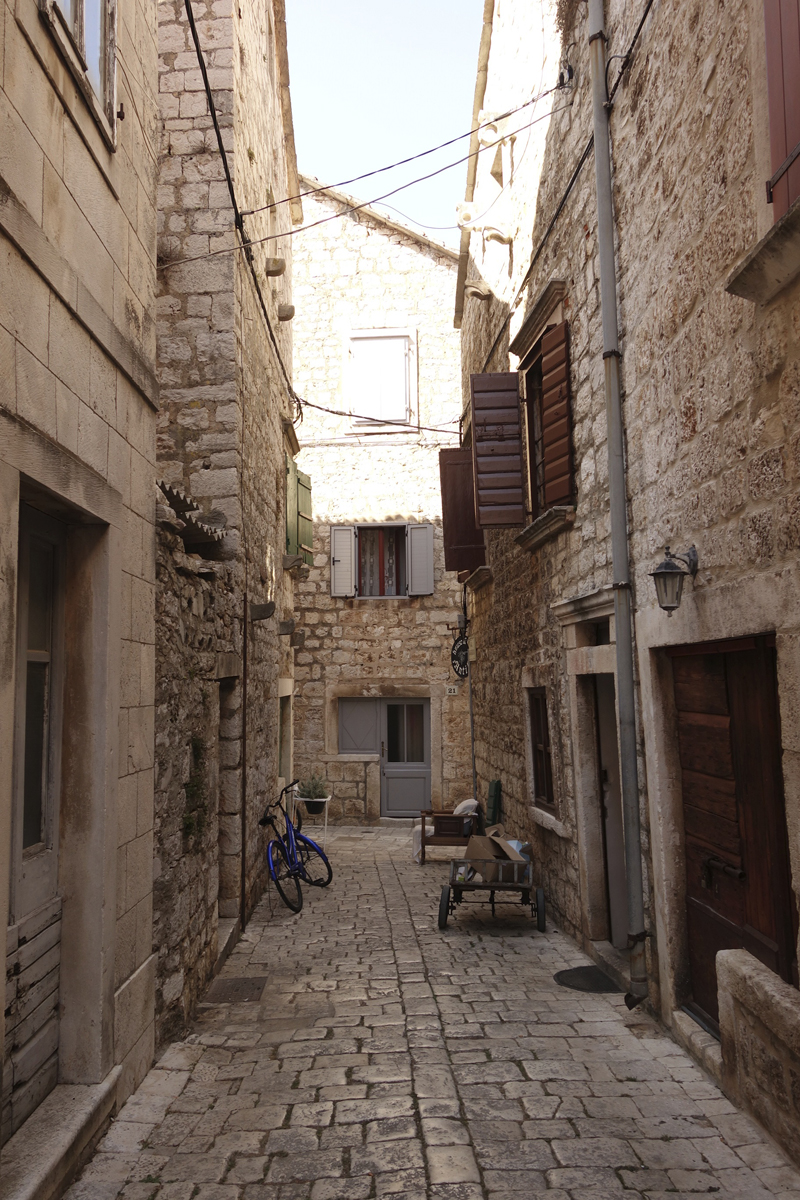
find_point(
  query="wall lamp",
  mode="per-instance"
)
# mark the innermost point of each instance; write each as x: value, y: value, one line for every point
x: 668, y: 577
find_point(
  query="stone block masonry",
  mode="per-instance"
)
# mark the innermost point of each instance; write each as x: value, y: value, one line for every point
x: 221, y: 440
x: 364, y: 272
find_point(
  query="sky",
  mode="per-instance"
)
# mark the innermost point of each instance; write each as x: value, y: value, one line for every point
x: 375, y: 81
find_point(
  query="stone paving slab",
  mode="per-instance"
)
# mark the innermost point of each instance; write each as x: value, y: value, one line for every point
x: 386, y: 1058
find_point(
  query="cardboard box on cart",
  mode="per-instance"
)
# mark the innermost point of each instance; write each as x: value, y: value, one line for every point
x: 491, y: 845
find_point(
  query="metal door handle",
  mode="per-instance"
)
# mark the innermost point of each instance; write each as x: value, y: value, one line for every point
x: 712, y: 863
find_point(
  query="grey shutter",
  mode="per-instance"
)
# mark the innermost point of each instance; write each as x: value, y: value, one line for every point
x: 343, y: 560
x: 358, y: 726
x: 463, y: 541
x: 419, y: 551
x: 497, y: 449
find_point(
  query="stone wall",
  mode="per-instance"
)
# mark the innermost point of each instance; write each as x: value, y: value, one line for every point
x: 363, y: 272
x: 77, y: 410
x: 760, y: 1045
x: 222, y: 440
x: 200, y: 637
x: 710, y: 387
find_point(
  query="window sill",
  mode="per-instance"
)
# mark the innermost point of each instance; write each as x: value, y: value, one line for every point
x: 772, y: 264
x: 548, y: 821
x: 546, y: 527
x: 479, y: 578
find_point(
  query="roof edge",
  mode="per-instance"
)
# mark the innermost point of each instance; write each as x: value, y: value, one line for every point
x: 311, y: 183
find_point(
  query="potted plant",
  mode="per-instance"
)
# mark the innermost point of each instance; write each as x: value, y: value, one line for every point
x: 314, y: 794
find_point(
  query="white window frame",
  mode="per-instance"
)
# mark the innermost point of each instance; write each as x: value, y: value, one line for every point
x: 420, y: 576
x: 69, y: 39
x: 412, y: 406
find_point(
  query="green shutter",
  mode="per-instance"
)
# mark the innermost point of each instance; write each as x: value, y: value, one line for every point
x: 291, y: 506
x: 305, y: 526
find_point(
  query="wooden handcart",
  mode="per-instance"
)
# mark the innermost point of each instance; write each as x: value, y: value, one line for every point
x: 500, y: 878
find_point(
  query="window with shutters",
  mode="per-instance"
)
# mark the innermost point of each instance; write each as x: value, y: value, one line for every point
x: 382, y: 561
x: 464, y: 548
x: 782, y: 21
x: 299, y: 517
x: 381, y: 375
x: 541, y: 758
x: 549, y: 423
x: 85, y: 32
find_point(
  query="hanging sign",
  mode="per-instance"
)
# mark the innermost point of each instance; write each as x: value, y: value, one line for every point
x: 459, y: 656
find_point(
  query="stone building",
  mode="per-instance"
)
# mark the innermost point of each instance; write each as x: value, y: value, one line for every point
x: 224, y: 436
x: 78, y: 403
x: 707, y: 304
x: 378, y: 712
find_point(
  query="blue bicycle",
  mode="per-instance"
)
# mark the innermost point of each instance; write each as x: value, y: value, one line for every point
x: 293, y: 857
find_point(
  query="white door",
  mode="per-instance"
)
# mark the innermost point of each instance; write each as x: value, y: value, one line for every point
x: 405, y: 757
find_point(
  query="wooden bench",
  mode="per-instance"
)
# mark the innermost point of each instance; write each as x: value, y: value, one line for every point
x: 448, y: 830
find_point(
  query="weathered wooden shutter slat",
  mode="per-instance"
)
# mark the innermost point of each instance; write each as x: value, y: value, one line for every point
x: 463, y: 540
x: 782, y: 27
x: 305, y: 523
x: 559, y: 485
x: 497, y: 449
x: 291, y: 506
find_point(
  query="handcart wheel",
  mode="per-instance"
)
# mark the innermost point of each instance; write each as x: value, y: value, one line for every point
x: 541, y: 924
x: 444, y: 906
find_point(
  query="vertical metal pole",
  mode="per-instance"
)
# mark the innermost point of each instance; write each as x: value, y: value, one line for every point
x: 472, y: 737
x: 617, y: 505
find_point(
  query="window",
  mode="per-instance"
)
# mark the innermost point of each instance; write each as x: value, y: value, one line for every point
x: 782, y: 18
x: 85, y: 33
x: 381, y: 371
x: 299, y: 518
x: 549, y: 418
x: 359, y: 726
x: 382, y: 560
x: 542, y: 763
x: 37, y: 752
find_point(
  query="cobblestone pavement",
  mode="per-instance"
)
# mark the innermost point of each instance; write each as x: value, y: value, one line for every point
x: 386, y: 1058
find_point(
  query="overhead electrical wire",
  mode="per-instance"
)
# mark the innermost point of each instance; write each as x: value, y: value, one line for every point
x: 403, y: 161
x: 581, y: 161
x: 271, y: 237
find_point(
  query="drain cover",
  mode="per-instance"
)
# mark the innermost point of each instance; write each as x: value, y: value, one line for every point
x: 237, y: 990
x: 586, y: 979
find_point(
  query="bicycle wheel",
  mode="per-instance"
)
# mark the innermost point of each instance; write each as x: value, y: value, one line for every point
x: 316, y: 869
x: 284, y: 878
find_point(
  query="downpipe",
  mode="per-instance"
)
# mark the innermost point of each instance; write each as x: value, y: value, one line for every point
x: 618, y: 511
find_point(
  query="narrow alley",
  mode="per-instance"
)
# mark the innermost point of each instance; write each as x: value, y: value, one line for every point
x: 356, y: 1051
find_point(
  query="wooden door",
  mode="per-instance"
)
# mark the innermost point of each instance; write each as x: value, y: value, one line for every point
x: 738, y: 891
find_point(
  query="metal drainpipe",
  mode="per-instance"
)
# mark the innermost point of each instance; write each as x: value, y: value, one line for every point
x: 618, y: 508
x: 243, y: 883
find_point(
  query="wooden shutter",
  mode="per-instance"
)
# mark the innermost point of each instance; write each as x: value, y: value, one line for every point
x: 305, y: 524
x: 497, y: 450
x: 782, y: 19
x: 463, y: 541
x: 344, y: 551
x: 419, y: 548
x: 559, y: 484
x: 291, y: 506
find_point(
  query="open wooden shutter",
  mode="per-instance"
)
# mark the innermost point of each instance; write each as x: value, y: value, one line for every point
x: 305, y: 523
x: 344, y: 552
x: 291, y: 506
x: 782, y: 19
x: 497, y: 450
x: 559, y: 482
x: 419, y: 548
x: 463, y: 541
